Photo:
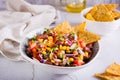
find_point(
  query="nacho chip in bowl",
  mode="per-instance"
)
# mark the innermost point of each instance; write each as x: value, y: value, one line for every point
x: 80, y: 27
x: 111, y: 7
x: 63, y: 27
x: 103, y: 13
x: 88, y: 37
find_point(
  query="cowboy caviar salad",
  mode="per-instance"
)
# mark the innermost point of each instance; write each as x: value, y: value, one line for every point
x: 58, y: 49
x: 62, y: 48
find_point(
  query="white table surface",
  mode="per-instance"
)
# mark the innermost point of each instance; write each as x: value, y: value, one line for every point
x: 109, y: 53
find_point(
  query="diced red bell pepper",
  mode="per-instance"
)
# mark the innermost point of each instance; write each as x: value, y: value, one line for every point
x: 36, y: 56
x: 79, y: 62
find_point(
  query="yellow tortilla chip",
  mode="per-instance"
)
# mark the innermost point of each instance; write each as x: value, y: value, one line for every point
x: 63, y: 27
x: 93, y: 10
x: 89, y: 16
x: 111, y: 7
x: 111, y: 73
x: 88, y: 37
x: 113, y: 69
x: 102, y: 9
x: 103, y: 14
x: 104, y: 17
x: 116, y: 14
x: 80, y: 27
x: 105, y: 76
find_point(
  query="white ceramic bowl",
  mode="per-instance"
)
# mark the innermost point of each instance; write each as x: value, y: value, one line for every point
x: 51, y: 68
x: 100, y: 28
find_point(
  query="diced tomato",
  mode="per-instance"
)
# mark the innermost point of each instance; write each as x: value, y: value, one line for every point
x: 54, y: 38
x: 36, y: 56
x: 33, y: 46
x: 75, y: 52
x: 30, y: 42
x: 79, y: 62
x: 59, y: 52
x: 82, y: 44
x: 34, y: 50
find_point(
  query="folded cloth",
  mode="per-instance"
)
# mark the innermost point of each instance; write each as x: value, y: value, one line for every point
x: 19, y: 19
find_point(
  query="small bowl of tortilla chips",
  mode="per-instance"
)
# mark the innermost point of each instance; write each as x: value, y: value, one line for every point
x: 60, y: 56
x: 102, y: 19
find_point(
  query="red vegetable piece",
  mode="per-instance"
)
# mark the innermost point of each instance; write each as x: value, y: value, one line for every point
x: 82, y: 44
x: 36, y: 56
x: 75, y: 52
x: 33, y: 46
x: 78, y: 62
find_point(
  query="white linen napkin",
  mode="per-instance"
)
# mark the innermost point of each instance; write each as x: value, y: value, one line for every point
x: 19, y: 19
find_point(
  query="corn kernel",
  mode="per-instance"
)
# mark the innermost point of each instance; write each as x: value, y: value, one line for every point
x: 44, y: 52
x: 67, y: 48
x: 51, y: 55
x: 50, y: 38
x: 81, y: 57
x: 60, y: 47
x: 40, y: 40
x: 71, y: 59
x: 86, y: 54
x: 52, y: 61
x: 64, y: 48
x: 56, y: 48
x: 45, y: 42
x: 49, y: 49
x: 50, y: 44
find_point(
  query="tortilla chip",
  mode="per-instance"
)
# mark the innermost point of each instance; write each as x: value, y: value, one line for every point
x: 105, y: 76
x: 103, y: 14
x: 104, y: 17
x: 63, y: 27
x: 113, y: 69
x: 111, y: 7
x: 89, y: 16
x: 111, y: 73
x: 80, y: 27
x: 88, y: 37
x: 102, y: 9
x: 93, y: 10
x: 116, y: 14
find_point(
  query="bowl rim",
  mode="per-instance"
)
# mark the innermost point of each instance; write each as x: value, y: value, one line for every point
x: 89, y: 8
x: 38, y: 63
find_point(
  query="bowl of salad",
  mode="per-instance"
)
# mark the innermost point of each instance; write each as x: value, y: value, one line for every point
x: 59, y: 53
x: 62, y: 49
